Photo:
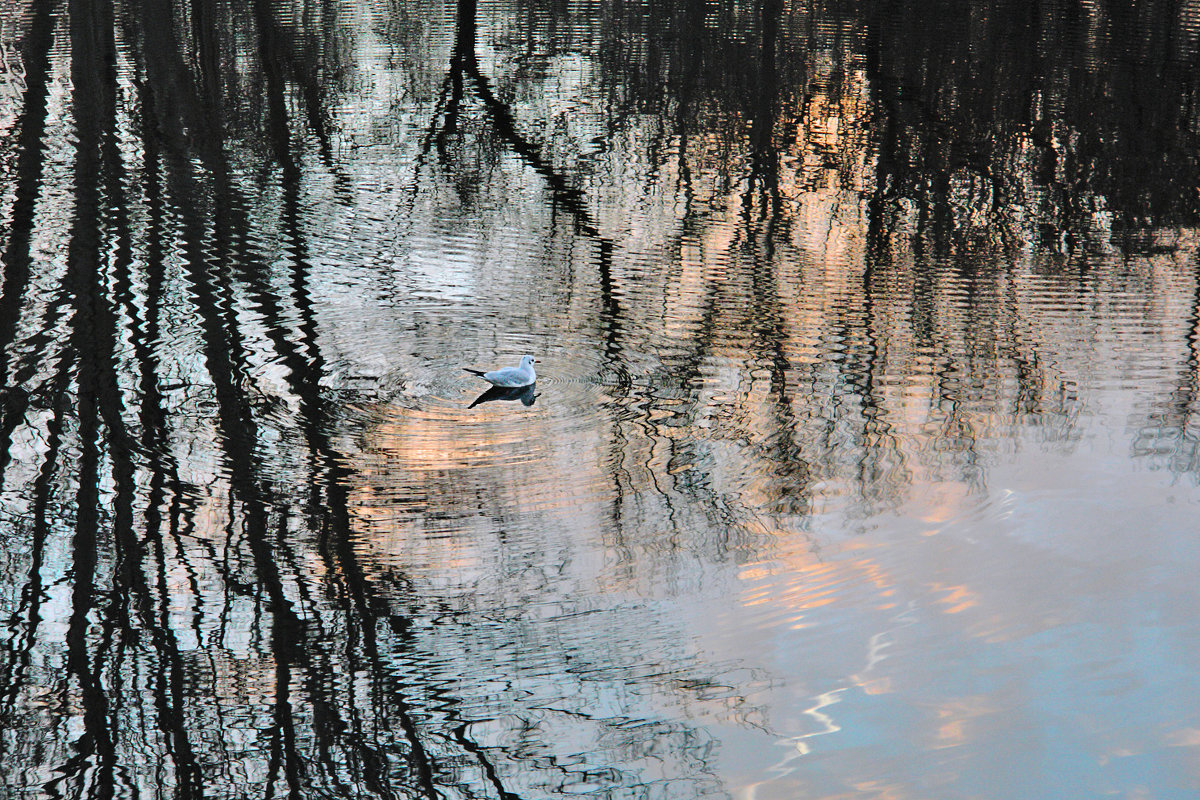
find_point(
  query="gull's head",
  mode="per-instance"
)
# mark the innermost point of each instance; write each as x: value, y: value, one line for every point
x: 527, y: 361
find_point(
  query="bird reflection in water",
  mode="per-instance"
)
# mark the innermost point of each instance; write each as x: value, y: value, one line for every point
x: 523, y: 393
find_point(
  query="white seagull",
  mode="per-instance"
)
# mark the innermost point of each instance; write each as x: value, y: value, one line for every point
x: 510, y: 377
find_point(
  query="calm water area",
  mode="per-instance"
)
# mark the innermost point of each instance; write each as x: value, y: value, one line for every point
x: 862, y: 462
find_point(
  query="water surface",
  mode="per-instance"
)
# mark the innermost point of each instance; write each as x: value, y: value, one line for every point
x: 862, y: 460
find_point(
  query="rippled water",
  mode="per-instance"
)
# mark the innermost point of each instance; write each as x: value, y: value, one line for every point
x: 862, y: 460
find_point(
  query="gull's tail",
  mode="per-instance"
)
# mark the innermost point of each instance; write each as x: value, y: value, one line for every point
x: 480, y: 373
